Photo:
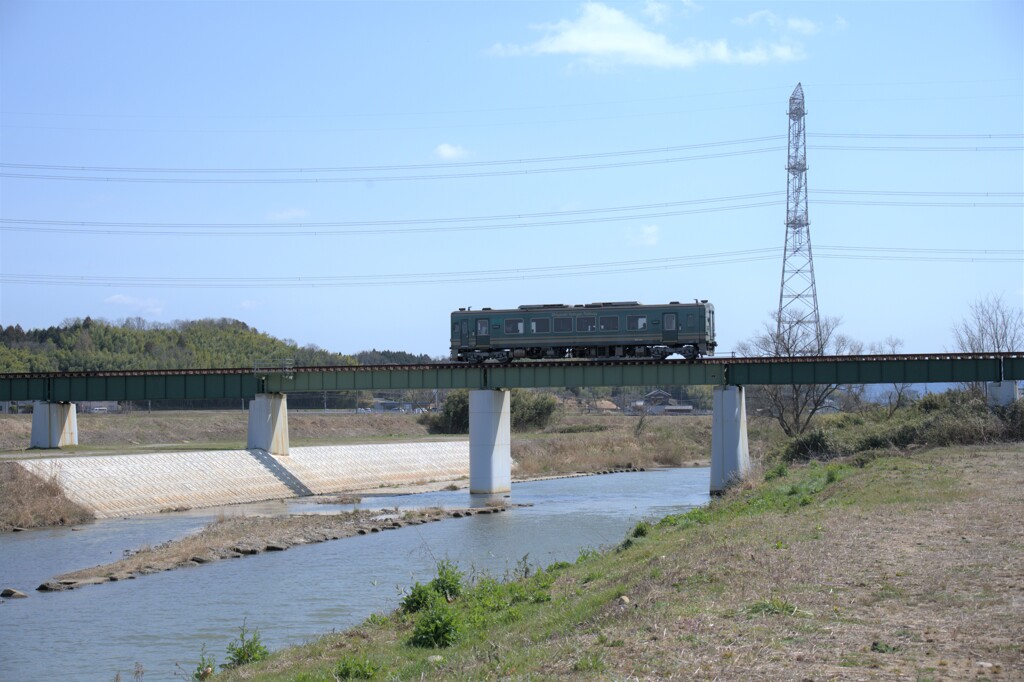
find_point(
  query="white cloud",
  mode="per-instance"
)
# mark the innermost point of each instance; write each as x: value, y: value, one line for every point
x: 769, y: 18
x: 144, y: 306
x: 450, y: 152
x: 603, y: 35
x: 841, y: 24
x: 766, y: 16
x: 287, y: 214
x: 805, y: 26
x: 658, y: 12
x: 646, y: 235
x: 249, y: 304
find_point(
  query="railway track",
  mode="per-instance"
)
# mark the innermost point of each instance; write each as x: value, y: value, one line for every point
x: 625, y: 362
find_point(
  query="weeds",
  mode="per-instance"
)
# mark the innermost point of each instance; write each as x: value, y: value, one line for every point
x: 437, y: 626
x: 245, y: 649
x: 29, y: 501
x: 772, y: 606
x: 356, y: 668
x: 641, y: 529
x: 206, y: 667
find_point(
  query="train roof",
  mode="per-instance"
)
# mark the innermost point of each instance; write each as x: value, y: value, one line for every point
x: 566, y: 307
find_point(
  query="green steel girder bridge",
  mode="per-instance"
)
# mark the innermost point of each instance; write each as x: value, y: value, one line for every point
x: 246, y: 383
x: 54, y: 422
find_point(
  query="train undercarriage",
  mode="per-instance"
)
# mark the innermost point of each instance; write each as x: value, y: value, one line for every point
x: 504, y: 355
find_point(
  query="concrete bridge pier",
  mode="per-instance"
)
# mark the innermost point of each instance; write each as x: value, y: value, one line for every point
x: 490, y: 442
x: 54, y: 425
x: 730, y: 455
x: 268, y: 423
x: 1001, y: 393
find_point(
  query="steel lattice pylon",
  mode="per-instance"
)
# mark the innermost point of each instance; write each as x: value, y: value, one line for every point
x: 799, y: 327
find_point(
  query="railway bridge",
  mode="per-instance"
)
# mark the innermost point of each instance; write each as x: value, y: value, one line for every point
x: 54, y: 422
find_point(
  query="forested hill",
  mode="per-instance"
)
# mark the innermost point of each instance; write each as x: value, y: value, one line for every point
x: 95, y: 345
x: 390, y: 357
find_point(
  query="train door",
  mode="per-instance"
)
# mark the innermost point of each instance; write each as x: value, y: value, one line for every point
x: 464, y: 334
x: 669, y: 328
x: 483, y: 331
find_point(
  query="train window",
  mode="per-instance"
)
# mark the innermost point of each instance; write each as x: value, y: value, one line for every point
x: 541, y: 326
x: 636, y: 323
x: 609, y: 324
x: 514, y: 326
x: 563, y: 324
x: 691, y: 322
x: 483, y: 328
x: 586, y: 323
x: 670, y: 322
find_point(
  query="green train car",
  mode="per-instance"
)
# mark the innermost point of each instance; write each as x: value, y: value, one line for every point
x: 624, y: 329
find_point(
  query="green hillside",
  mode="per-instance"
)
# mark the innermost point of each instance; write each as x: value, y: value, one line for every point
x: 97, y: 345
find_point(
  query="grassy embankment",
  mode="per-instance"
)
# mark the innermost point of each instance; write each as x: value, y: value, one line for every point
x: 898, y: 561
x: 907, y: 567
x: 29, y: 501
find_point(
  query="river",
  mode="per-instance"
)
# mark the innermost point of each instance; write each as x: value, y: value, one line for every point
x: 159, y: 622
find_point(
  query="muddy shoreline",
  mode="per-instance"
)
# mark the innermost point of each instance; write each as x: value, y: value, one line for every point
x: 234, y: 537
x: 240, y: 536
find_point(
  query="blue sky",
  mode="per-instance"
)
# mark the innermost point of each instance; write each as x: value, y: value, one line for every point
x: 346, y: 174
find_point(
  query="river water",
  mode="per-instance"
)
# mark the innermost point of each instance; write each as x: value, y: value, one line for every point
x: 161, y: 621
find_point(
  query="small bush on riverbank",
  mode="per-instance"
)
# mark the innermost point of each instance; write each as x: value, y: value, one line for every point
x: 246, y: 649
x: 30, y: 501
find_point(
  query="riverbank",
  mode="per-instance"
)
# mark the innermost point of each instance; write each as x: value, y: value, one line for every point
x: 237, y: 536
x: 905, y: 567
x: 136, y: 463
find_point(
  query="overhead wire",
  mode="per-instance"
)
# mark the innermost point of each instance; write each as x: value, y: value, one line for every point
x: 634, y: 212
x: 530, y: 273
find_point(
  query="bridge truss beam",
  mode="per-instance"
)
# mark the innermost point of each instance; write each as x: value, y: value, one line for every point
x: 244, y: 384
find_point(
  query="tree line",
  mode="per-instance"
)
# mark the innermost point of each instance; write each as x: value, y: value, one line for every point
x: 89, y: 345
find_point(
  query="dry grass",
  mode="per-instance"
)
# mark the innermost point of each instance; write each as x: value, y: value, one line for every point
x: 906, y: 569
x: 590, y: 443
x: 206, y: 430
x: 29, y: 501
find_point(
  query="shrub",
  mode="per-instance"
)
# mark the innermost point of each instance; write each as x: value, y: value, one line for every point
x: 531, y: 410
x: 809, y: 445
x: 354, y: 668
x: 527, y: 410
x: 448, y: 582
x: 246, y: 649
x: 205, y: 668
x: 419, y: 598
x: 932, y: 402
x: 780, y: 470
x: 1013, y: 420
x: 641, y: 529
x: 453, y: 417
x: 437, y: 626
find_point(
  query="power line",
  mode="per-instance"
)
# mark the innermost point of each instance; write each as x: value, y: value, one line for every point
x: 417, y: 166
x: 482, y: 174
x: 987, y: 256
x: 530, y: 160
x: 520, y: 221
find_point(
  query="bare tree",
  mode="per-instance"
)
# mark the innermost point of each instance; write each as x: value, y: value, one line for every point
x: 794, y: 405
x: 898, y: 395
x: 991, y: 327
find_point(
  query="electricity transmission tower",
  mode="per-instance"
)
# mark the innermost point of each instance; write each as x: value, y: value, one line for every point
x: 799, y: 327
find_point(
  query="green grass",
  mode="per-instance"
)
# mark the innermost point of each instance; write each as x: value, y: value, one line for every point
x: 701, y: 583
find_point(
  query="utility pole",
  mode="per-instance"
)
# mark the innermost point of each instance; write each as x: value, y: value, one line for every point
x: 798, y: 321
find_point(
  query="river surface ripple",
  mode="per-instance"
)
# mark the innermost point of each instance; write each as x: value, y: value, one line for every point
x: 161, y: 621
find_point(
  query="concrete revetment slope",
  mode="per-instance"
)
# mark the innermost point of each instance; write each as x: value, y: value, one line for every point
x: 123, y: 485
